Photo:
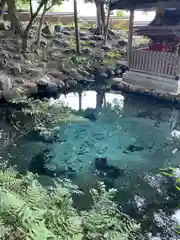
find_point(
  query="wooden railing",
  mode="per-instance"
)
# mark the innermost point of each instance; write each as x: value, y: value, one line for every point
x: 158, y: 63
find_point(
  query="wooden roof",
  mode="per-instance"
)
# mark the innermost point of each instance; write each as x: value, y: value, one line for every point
x: 144, y: 4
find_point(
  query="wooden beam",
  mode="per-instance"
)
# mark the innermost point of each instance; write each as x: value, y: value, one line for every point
x: 130, y: 37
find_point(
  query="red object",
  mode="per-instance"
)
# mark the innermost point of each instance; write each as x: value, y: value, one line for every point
x: 157, y: 47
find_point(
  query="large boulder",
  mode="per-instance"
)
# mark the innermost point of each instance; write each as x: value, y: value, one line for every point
x: 5, y: 82
x: 62, y: 42
x: 47, y: 30
x: 97, y: 37
x: 15, y: 69
x: 4, y: 25
x: 58, y: 28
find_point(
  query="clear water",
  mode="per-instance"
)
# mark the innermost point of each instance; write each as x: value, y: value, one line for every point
x: 136, y: 135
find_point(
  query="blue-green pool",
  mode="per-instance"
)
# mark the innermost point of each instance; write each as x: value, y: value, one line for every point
x: 135, y: 136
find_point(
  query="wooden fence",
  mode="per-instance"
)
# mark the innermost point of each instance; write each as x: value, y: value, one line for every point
x: 164, y: 64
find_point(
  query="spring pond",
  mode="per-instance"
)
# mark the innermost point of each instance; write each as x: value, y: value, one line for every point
x: 123, y: 141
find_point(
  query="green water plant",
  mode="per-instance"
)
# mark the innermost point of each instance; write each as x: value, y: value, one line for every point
x: 28, y: 210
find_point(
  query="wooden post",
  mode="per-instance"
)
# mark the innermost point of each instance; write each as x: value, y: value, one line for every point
x: 130, y: 37
x: 76, y: 28
x: 80, y: 101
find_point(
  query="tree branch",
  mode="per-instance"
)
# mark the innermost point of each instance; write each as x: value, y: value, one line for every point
x: 47, y: 9
x: 31, y: 9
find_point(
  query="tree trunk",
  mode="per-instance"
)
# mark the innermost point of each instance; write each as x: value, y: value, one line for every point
x: 28, y: 27
x: 98, y: 16
x: 107, y: 25
x: 76, y: 28
x: 41, y: 23
x: 2, y: 6
x: 102, y: 17
x: 14, y: 19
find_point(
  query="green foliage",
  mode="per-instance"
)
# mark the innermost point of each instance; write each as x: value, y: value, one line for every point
x: 42, y: 116
x: 119, y: 13
x: 33, y: 212
x: 171, y: 173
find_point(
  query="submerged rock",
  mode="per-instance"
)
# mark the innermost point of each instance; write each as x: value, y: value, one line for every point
x: 90, y: 113
x: 132, y: 148
x: 108, y: 170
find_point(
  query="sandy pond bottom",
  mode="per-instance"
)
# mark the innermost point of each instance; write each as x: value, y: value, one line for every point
x: 134, y: 135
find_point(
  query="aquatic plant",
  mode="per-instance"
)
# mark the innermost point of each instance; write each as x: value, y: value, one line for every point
x: 28, y: 210
x: 173, y: 174
x: 42, y: 116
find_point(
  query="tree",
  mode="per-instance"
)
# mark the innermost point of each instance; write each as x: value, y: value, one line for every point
x: 101, y: 16
x: 76, y: 28
x: 15, y: 21
x: 47, y: 6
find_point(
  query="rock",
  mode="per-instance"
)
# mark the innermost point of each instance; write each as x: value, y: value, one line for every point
x: 5, y: 82
x: 84, y: 38
x: 132, y: 148
x: 32, y: 72
x: 105, y: 169
x: 106, y: 47
x: 3, y: 64
x: 69, y: 51
x: 92, y: 43
x: 50, y: 36
x: 110, y: 72
x: 57, y: 74
x: 30, y: 89
x: 77, y: 76
x: 83, y: 33
x: 122, y: 63
x: 58, y: 28
x: 83, y: 72
x: 1, y: 94
x: 19, y: 80
x: 47, y: 88
x: 18, y: 57
x: 48, y: 30
x: 97, y: 37
x: 62, y: 42
x: 86, y: 51
x: 15, y: 69
x: 43, y: 82
x: 52, y: 87
x: 31, y: 34
x: 118, y: 72
x: 101, y: 74
x: 4, y: 25
x: 116, y: 80
x: 59, y: 35
x: 43, y: 42
x: 43, y: 65
x: 12, y: 94
x: 70, y: 82
x: 61, y: 84
x: 90, y: 114
x: 66, y: 32
x: 29, y: 56
x: 122, y: 42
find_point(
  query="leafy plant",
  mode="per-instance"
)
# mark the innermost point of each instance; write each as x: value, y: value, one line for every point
x: 31, y: 211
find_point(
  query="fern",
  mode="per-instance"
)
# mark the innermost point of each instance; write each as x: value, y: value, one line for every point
x: 48, y: 213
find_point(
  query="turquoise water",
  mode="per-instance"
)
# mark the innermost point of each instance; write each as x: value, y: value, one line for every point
x: 133, y: 136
